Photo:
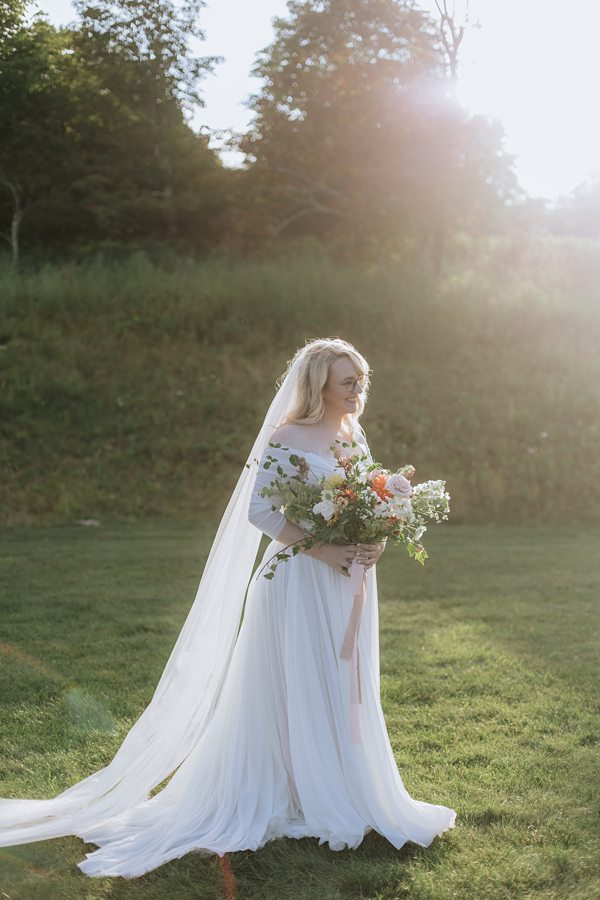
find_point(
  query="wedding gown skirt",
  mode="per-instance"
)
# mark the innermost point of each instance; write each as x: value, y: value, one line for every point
x: 277, y: 759
x: 292, y: 748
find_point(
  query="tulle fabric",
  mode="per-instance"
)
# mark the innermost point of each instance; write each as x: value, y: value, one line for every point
x: 185, y: 697
x: 277, y: 759
x: 274, y: 757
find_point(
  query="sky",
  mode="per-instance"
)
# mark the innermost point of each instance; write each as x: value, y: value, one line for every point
x: 533, y: 64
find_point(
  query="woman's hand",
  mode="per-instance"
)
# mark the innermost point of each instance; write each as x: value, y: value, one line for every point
x: 339, y: 556
x: 368, y: 554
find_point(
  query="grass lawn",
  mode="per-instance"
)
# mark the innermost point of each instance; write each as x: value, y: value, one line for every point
x: 489, y: 657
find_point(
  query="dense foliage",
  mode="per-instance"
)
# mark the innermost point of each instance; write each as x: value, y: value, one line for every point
x: 356, y: 140
x: 95, y: 146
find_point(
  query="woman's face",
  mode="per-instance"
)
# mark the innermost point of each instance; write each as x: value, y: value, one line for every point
x: 343, y: 387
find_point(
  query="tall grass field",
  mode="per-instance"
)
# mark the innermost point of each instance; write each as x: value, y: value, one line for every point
x: 135, y: 388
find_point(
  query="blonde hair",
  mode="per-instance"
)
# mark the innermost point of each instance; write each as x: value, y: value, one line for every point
x: 317, y: 356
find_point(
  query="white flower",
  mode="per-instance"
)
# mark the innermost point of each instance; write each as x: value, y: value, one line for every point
x: 307, y: 526
x: 395, y: 506
x: 362, y: 475
x: 430, y: 489
x: 402, y: 506
x: 325, y: 508
x: 381, y: 508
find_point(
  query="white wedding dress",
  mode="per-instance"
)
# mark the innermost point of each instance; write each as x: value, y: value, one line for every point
x: 279, y: 756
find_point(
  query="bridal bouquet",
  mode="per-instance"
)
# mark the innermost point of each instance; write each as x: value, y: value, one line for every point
x: 362, y: 503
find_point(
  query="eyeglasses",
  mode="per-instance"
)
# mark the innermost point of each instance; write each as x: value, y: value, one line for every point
x: 352, y: 385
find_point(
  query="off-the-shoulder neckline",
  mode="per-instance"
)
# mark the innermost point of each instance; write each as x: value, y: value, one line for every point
x: 301, y: 450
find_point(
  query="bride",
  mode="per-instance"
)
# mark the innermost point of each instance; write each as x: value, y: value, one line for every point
x: 255, y: 725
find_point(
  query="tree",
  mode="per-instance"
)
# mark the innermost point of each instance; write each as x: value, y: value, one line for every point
x: 355, y: 132
x: 451, y: 34
x: 12, y: 14
x: 578, y: 212
x: 94, y: 137
x: 139, y: 50
x: 37, y: 152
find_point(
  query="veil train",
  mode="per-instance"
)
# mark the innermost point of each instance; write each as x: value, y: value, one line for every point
x: 185, y: 697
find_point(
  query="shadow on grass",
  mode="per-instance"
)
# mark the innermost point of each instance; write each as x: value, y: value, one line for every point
x: 285, y: 868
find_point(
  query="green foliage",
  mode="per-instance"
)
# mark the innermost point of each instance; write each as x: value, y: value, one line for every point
x: 95, y: 142
x: 12, y: 15
x: 578, y: 213
x: 154, y: 36
x: 130, y: 389
x: 297, y: 496
x: 38, y: 101
x: 357, y: 139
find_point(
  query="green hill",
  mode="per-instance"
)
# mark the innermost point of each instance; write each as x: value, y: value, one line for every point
x: 132, y: 388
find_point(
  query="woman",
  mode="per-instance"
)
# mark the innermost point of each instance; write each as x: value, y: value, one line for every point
x: 259, y: 732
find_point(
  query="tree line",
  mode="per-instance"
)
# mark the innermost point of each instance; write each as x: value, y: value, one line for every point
x: 357, y: 139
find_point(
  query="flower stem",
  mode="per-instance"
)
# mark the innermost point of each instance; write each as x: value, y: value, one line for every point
x: 299, y: 541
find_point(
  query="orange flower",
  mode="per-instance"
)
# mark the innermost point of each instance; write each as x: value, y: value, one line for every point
x: 378, y: 485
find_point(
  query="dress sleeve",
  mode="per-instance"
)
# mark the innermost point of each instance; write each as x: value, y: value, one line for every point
x: 260, y: 510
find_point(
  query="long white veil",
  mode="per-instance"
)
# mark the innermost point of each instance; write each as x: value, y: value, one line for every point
x: 189, y: 687
x: 187, y: 692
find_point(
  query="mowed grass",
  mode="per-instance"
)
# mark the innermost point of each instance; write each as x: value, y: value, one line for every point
x: 489, y: 682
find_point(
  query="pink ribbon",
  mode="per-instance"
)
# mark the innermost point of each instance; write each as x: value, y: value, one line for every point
x: 349, y: 649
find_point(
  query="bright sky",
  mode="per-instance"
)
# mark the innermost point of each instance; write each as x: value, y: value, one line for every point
x: 533, y: 64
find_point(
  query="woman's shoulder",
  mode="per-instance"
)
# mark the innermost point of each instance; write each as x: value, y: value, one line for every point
x: 288, y: 434
x: 301, y: 436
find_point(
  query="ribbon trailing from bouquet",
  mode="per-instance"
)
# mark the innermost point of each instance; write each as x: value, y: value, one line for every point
x: 349, y: 649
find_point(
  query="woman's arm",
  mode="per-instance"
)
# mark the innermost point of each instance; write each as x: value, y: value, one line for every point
x: 291, y: 533
x: 271, y: 521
